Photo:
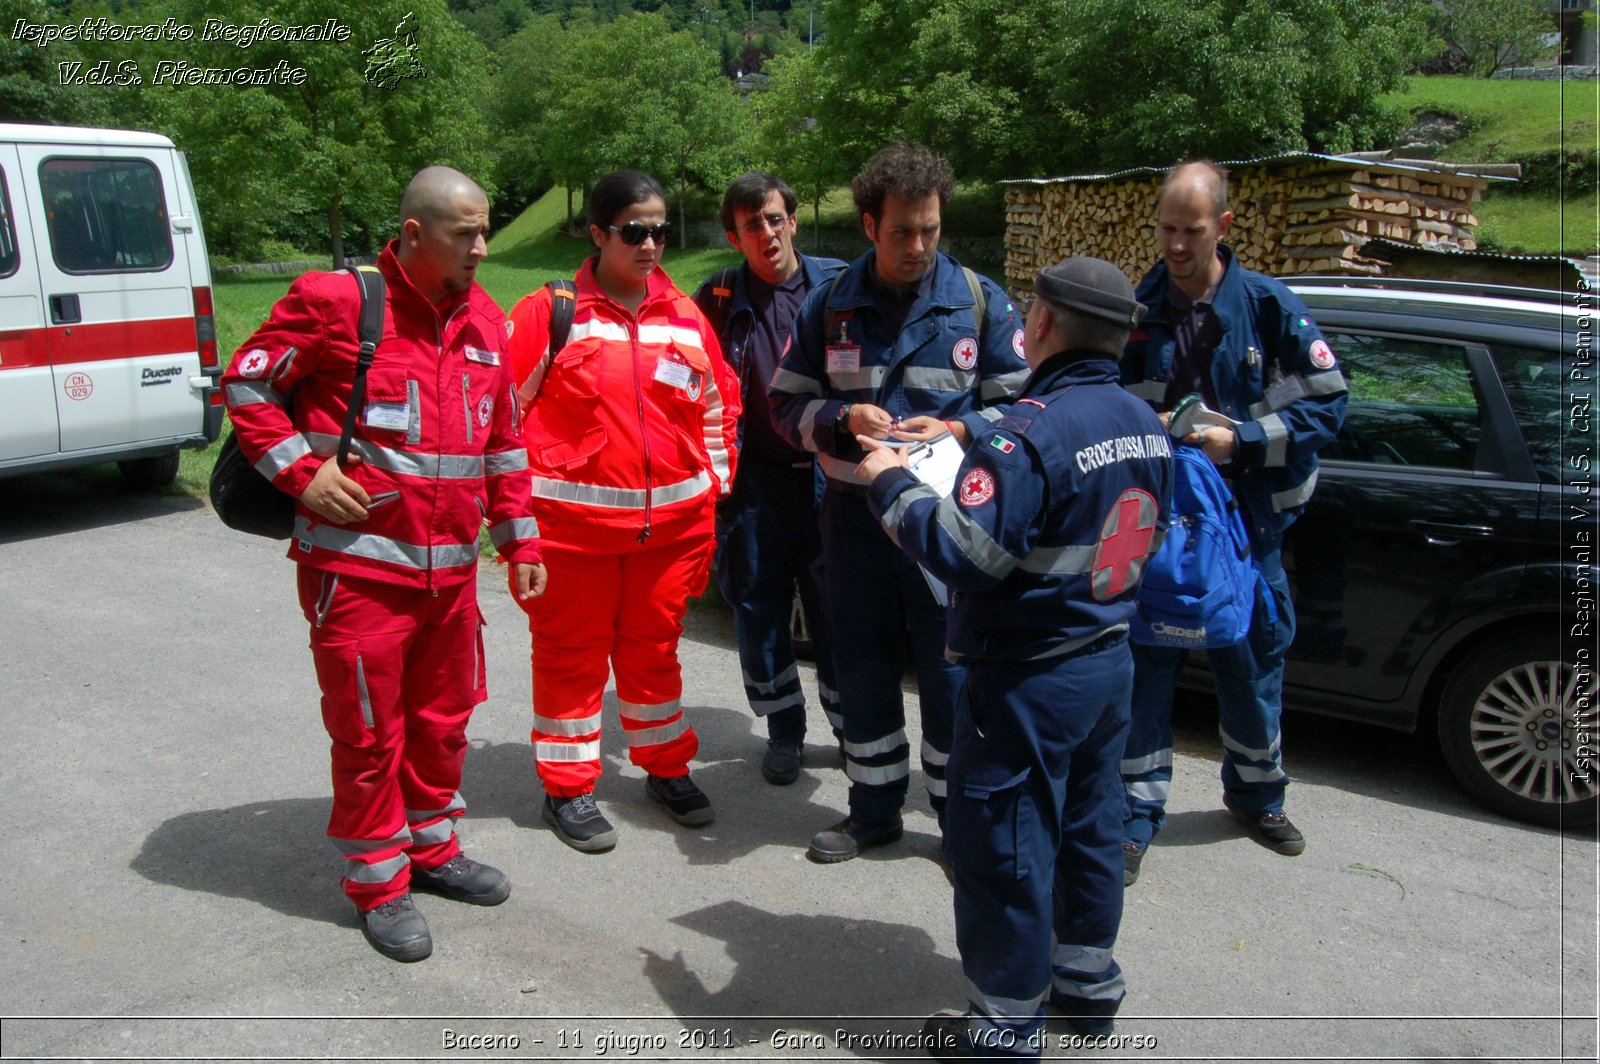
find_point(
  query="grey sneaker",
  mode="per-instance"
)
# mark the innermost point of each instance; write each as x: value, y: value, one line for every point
x: 397, y: 930
x: 579, y: 823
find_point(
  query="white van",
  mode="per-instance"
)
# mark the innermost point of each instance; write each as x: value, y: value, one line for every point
x: 108, y: 344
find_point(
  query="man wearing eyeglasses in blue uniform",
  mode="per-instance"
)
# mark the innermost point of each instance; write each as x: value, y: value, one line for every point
x: 767, y: 534
x: 905, y: 345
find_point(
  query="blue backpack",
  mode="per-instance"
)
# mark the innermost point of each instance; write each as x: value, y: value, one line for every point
x: 1199, y: 588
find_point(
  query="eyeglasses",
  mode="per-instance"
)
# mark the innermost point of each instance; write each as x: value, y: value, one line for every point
x: 634, y: 233
x: 756, y: 226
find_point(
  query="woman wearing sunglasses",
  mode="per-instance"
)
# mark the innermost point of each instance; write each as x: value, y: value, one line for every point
x: 631, y: 440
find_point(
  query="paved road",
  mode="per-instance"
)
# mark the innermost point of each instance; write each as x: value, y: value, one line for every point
x: 168, y: 892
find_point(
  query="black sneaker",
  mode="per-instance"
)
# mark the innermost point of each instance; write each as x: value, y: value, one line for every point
x: 1271, y: 830
x: 946, y: 1036
x: 1071, y: 1010
x: 1132, y: 858
x: 780, y: 765
x: 684, y: 802
x: 464, y: 879
x: 579, y: 823
x: 849, y: 837
x: 397, y: 930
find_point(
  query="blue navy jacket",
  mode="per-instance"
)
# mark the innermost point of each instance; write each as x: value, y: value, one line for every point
x: 1272, y: 371
x: 940, y: 363
x: 1056, y: 509
x: 731, y: 307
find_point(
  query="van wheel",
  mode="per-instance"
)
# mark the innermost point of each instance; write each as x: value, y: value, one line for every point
x: 1517, y: 727
x: 149, y: 474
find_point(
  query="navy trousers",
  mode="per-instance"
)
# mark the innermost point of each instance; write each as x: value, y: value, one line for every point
x: 1034, y: 832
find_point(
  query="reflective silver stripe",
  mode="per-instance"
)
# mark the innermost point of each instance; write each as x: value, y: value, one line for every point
x: 1251, y: 774
x: 244, y: 393
x: 791, y: 383
x: 284, y: 455
x: 835, y: 718
x: 587, y: 751
x: 330, y: 587
x: 356, y: 847
x: 457, y: 804
x: 829, y: 695
x: 716, y: 444
x: 1150, y: 790
x: 660, y: 733
x: 974, y: 542
x: 1004, y: 387
x: 1289, y: 498
x: 838, y: 469
x: 1150, y: 391
x: 859, y: 381
x: 932, y: 755
x: 361, y: 692
x: 406, y: 463
x: 808, y: 423
x: 936, y: 379
x: 669, y: 334
x: 637, y: 711
x: 1138, y: 766
x: 1331, y: 383
x: 877, y: 775
x: 936, y: 786
x: 513, y: 461
x: 380, y: 872
x: 877, y: 746
x: 619, y: 498
x: 1089, y: 959
x: 516, y: 528
x: 437, y: 832
x: 1270, y: 753
x: 902, y: 502
x: 1070, y: 559
x: 1277, y: 440
x: 414, y: 404
x: 991, y: 414
x: 783, y: 679
x: 1109, y: 990
x: 764, y: 707
x: 383, y: 549
x: 284, y: 365
x: 1075, y: 644
x: 571, y: 727
x: 1005, y: 1008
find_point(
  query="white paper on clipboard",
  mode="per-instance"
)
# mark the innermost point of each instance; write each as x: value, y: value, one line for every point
x: 936, y: 464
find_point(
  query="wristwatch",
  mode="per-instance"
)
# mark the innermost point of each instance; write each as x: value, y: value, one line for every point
x: 841, y: 424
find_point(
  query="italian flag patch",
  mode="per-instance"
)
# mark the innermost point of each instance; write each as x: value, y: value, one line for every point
x: 1003, y: 445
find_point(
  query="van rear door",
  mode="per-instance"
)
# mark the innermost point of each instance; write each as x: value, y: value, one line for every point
x: 27, y: 388
x: 117, y: 294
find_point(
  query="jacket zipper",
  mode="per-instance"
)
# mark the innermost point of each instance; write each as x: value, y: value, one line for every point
x: 466, y: 402
x: 644, y: 436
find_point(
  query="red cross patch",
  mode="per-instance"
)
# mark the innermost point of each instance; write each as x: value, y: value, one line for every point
x: 1124, y: 544
x: 977, y: 488
x: 253, y: 364
x: 965, y: 353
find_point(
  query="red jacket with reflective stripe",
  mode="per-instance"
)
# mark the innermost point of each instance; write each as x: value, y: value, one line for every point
x: 437, y: 434
x: 634, y: 428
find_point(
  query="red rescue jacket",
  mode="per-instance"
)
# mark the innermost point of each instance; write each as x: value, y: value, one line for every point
x: 437, y: 437
x: 633, y: 432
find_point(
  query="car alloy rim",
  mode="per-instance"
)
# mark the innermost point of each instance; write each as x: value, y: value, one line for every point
x: 1525, y: 730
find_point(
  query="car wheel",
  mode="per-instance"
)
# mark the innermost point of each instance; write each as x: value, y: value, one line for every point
x: 157, y: 471
x: 1517, y: 727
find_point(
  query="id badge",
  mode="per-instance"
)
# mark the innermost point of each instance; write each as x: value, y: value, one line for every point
x: 844, y: 358
x: 393, y: 416
x: 673, y: 374
x: 1285, y: 392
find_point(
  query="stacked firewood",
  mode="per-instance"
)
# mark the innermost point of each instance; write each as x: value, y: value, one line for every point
x: 1309, y: 215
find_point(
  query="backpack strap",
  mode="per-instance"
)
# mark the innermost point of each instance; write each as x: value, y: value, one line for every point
x: 980, y: 302
x: 370, y: 286
x: 563, y: 305
x: 830, y: 317
x: 721, y: 284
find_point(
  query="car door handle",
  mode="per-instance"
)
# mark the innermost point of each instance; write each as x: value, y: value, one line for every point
x: 1442, y: 534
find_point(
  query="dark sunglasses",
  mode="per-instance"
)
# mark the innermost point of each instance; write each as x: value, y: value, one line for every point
x: 633, y: 233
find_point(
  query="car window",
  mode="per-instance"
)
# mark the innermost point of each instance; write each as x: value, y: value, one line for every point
x: 105, y: 215
x: 9, y: 257
x: 1532, y: 378
x: 1412, y: 403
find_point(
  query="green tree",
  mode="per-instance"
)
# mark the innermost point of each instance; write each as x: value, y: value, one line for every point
x: 1491, y: 34
x: 789, y: 140
x: 31, y: 88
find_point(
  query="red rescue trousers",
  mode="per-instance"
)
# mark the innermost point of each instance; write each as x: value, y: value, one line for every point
x: 400, y: 671
x: 619, y: 613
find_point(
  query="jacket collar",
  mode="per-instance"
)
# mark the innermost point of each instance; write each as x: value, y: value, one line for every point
x: 1152, y: 290
x: 948, y: 288
x: 396, y: 281
x: 1074, y: 366
x: 740, y: 300
x: 658, y: 287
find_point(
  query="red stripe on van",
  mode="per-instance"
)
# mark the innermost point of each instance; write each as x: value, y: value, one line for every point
x: 96, y: 343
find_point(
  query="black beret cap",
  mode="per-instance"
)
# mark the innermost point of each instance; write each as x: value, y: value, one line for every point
x: 1090, y: 286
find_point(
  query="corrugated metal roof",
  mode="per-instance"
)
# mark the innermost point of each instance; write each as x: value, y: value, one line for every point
x: 1395, y: 251
x: 1360, y: 161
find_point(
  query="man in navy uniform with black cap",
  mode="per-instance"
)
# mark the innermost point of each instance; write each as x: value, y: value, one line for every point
x: 1055, y: 512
